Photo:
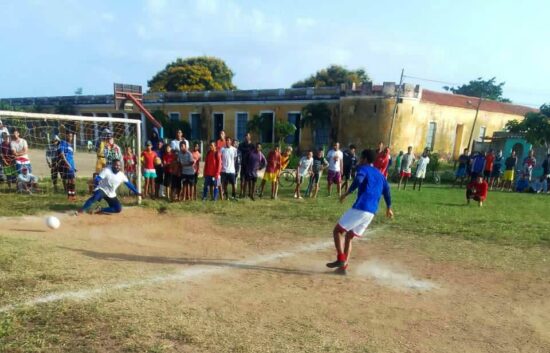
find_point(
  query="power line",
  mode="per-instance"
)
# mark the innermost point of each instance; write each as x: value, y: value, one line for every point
x: 430, y: 80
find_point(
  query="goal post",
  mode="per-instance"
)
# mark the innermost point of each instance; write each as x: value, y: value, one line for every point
x: 39, y: 130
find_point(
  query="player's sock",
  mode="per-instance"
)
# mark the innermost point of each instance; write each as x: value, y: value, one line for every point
x: 340, y: 261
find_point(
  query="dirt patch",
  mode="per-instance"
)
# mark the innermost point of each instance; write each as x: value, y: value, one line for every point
x: 288, y: 304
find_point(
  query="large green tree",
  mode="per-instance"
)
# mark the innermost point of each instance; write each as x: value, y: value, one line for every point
x: 535, y: 126
x: 487, y: 89
x: 333, y: 75
x: 193, y: 74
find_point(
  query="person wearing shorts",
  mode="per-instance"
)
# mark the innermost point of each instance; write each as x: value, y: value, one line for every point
x: 304, y: 169
x: 187, y: 163
x: 20, y: 150
x: 421, y: 169
x: 149, y: 173
x: 197, y: 157
x: 245, y: 147
x: 463, y: 167
x: 509, y: 171
x: 489, y: 164
x: 370, y: 184
x: 272, y: 171
x: 405, y: 169
x: 319, y: 163
x: 335, y: 159
x: 67, y: 169
x: 212, y: 170
x: 229, y: 155
x: 169, y: 158
x: 255, y: 162
x: 496, y: 173
x: 477, y: 191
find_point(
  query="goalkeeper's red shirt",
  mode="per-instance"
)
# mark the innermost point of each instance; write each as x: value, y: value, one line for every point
x: 479, y: 189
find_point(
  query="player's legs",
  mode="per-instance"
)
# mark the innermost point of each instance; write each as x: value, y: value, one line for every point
x: 114, y: 205
x: 96, y: 197
x: 337, y: 234
x: 420, y: 183
x: 297, y: 188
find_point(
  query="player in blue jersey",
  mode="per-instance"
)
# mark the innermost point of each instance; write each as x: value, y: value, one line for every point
x: 106, y: 183
x: 65, y: 164
x: 371, y: 185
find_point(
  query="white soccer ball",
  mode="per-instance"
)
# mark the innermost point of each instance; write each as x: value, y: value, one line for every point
x: 53, y: 222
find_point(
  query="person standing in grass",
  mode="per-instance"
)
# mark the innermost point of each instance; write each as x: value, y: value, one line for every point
x: 245, y: 147
x: 496, y: 173
x: 546, y: 171
x: 303, y: 170
x: 8, y: 160
x: 197, y: 157
x: 66, y: 165
x: 510, y: 165
x: 256, y: 161
x: 169, y: 158
x: 149, y: 173
x: 335, y: 159
x: 478, y: 166
x: 211, y: 172
x: 272, y: 171
x: 350, y: 163
x: 319, y: 164
x: 20, y: 149
x: 397, y: 167
x: 421, y: 169
x: 51, y: 160
x: 382, y: 162
x: 285, y: 157
x: 405, y: 171
x: 228, y: 155
x: 477, y: 190
x: 463, y: 168
x: 529, y: 164
x: 130, y: 163
x: 187, y: 162
x: 371, y: 185
x: 489, y: 164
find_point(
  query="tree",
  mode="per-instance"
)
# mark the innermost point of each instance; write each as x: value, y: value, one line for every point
x: 257, y: 124
x: 333, y: 75
x: 535, y: 127
x: 284, y: 129
x: 193, y: 74
x: 487, y: 89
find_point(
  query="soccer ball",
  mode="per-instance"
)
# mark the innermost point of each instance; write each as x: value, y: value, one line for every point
x: 53, y: 222
x: 157, y: 161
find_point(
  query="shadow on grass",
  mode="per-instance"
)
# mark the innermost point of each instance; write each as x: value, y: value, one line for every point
x: 27, y: 230
x: 448, y: 204
x: 184, y: 261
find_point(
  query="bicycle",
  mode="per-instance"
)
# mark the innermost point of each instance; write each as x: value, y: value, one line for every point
x: 287, y: 178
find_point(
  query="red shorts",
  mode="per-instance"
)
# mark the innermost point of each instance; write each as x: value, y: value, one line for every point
x: 404, y: 174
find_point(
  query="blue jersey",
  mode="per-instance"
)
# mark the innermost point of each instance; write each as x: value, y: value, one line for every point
x: 371, y: 185
x: 68, y: 151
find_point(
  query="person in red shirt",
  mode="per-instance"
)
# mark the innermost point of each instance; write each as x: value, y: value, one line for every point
x: 489, y: 162
x: 477, y: 190
x: 220, y: 143
x: 383, y: 160
x: 211, y: 173
x: 168, y: 159
x: 149, y: 173
x: 272, y: 171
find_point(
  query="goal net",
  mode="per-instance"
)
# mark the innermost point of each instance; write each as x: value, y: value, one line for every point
x: 90, y: 135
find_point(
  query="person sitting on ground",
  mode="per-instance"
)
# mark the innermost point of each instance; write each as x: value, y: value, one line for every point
x: 106, y: 184
x: 26, y: 182
x: 477, y: 190
x: 522, y: 185
x: 405, y: 172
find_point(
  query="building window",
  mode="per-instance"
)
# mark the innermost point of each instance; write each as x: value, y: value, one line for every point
x: 195, y: 126
x: 266, y: 135
x: 174, y: 116
x: 241, y: 121
x: 430, y: 139
x: 322, y: 136
x: 482, y: 131
x: 375, y: 108
x: 294, y: 119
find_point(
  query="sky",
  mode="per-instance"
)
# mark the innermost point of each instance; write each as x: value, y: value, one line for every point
x: 53, y: 47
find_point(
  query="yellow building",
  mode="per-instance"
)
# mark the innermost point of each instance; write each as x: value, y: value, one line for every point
x: 442, y: 122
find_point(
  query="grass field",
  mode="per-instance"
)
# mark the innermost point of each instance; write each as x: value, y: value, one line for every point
x: 249, y: 277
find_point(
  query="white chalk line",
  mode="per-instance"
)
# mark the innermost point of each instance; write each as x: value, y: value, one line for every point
x: 183, y: 275
x: 390, y: 277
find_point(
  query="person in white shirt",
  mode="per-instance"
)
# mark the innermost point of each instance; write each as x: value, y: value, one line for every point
x: 107, y: 182
x: 187, y: 162
x: 228, y: 173
x: 335, y: 159
x: 421, y: 168
x: 304, y: 169
x: 20, y: 149
x: 26, y: 182
x: 175, y: 144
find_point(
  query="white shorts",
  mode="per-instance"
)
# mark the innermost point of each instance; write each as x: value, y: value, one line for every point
x: 421, y: 174
x: 355, y: 221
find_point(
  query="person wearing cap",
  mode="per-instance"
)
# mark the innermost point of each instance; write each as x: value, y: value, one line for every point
x: 111, y: 151
x: 66, y: 165
x: 26, y: 182
x: 51, y: 159
x: 20, y: 148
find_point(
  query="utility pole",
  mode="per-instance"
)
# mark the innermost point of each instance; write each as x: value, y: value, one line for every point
x: 475, y: 121
x: 395, y: 107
